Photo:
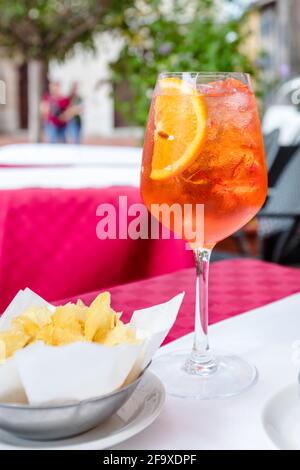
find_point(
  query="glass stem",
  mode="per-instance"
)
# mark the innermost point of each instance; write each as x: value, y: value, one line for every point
x: 201, y: 360
x: 201, y: 346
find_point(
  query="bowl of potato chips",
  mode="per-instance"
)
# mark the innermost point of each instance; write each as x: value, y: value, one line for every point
x: 50, y: 422
x: 65, y: 369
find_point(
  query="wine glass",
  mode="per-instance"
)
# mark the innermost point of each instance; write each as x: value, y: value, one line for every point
x: 203, y: 147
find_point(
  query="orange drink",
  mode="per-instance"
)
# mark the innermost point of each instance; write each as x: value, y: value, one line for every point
x: 203, y: 145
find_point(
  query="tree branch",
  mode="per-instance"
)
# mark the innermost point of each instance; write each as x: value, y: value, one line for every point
x: 86, y: 25
x: 54, y: 31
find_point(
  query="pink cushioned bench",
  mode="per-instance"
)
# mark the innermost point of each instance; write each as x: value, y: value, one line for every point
x: 48, y: 242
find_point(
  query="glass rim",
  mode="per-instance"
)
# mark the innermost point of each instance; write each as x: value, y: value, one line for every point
x: 245, y: 77
x: 196, y: 72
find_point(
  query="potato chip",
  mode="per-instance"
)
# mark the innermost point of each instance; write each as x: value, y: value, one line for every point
x: 121, y: 334
x: 39, y: 315
x: 14, y: 339
x: 46, y: 334
x: 26, y: 325
x: 71, y: 317
x: 32, y: 320
x: 63, y: 336
x: 100, y: 318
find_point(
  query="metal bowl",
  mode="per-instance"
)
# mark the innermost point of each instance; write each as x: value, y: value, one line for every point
x: 51, y: 422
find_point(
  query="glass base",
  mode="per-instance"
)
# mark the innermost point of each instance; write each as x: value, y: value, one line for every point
x: 226, y: 376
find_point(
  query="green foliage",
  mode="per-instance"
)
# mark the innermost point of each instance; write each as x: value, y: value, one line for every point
x: 158, y: 35
x: 46, y: 29
x: 189, y: 37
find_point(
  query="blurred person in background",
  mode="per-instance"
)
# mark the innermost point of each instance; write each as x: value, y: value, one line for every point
x: 72, y: 116
x: 53, y: 107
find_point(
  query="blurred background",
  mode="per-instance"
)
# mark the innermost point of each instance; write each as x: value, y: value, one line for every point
x: 113, y: 51
x: 95, y: 62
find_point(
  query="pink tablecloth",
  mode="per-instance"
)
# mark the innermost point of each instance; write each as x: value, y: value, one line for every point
x: 235, y: 287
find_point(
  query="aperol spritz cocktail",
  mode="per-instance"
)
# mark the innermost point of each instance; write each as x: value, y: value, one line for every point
x: 203, y: 145
x: 218, y: 128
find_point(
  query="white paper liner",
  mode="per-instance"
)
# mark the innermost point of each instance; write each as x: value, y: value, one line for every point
x: 43, y: 374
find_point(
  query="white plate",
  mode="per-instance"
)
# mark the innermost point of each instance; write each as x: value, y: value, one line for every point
x: 142, y: 408
x: 281, y: 418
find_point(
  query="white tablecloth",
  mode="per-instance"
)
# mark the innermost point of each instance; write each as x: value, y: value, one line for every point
x: 263, y: 336
x: 71, y: 166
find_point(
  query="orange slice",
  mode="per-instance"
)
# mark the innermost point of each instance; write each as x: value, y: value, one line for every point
x: 180, y: 116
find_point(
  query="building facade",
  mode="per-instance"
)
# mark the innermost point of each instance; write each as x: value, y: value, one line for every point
x: 11, y: 101
x: 89, y: 69
x: 279, y: 37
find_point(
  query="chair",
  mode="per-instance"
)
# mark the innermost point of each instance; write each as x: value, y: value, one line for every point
x: 280, y: 216
x: 271, y: 145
